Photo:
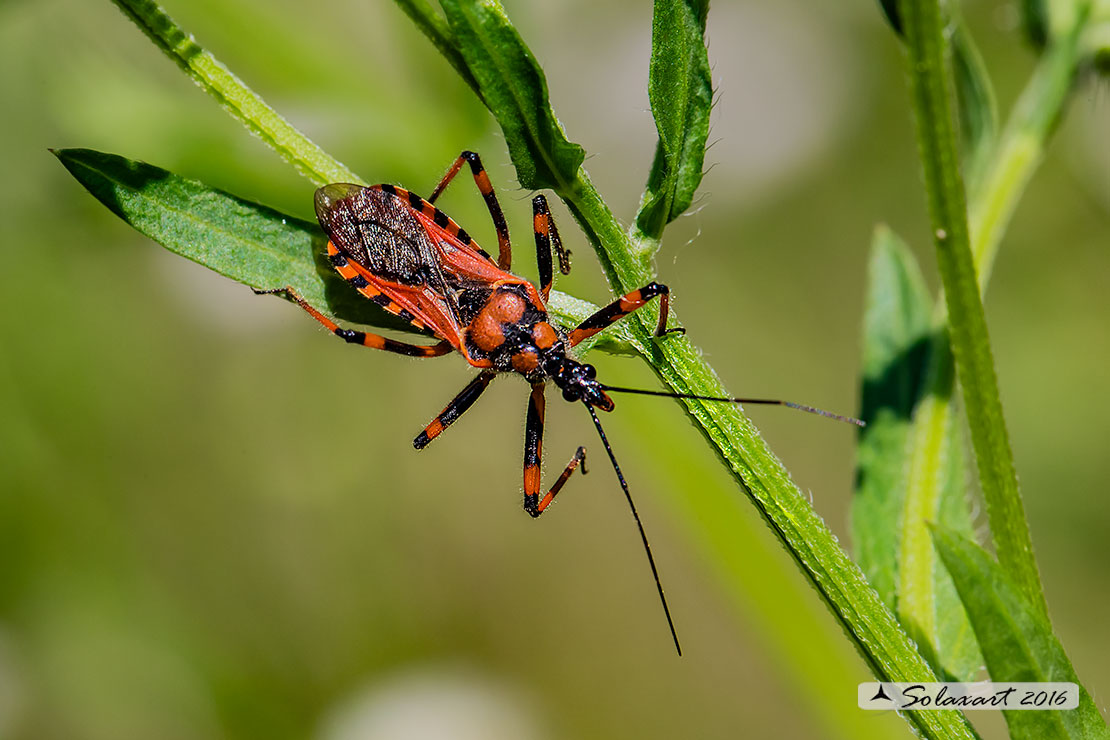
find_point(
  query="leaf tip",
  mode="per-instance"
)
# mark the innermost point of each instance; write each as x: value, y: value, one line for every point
x: 882, y: 231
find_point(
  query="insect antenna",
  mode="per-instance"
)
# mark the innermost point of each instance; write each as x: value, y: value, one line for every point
x: 765, y: 401
x: 636, y: 516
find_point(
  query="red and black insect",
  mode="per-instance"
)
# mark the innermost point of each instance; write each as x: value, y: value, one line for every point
x: 410, y: 258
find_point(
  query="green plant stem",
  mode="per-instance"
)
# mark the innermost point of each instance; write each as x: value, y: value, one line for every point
x: 930, y: 85
x: 239, y: 100
x: 876, y: 632
x: 1007, y: 172
x: 1004, y: 176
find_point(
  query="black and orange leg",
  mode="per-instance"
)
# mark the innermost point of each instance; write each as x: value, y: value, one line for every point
x: 547, y: 240
x: 623, y: 306
x: 481, y: 179
x: 374, y: 341
x: 533, y: 452
x: 458, y: 406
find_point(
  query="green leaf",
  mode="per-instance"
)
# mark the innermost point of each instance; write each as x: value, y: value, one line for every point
x: 1099, y: 49
x: 896, y: 330
x: 1035, y: 21
x: 1022, y: 143
x: 931, y: 85
x: 935, y: 491
x: 515, y: 90
x: 977, y: 104
x: 890, y: 10
x: 238, y: 99
x: 1017, y: 641
x: 954, y: 644
x: 253, y: 244
x: 680, y: 89
x: 245, y: 241
x: 888, y: 521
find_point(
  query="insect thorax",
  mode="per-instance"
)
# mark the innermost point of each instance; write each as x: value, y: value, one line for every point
x: 514, y: 333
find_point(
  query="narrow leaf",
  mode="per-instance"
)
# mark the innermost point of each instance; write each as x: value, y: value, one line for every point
x: 244, y: 241
x: 890, y: 10
x: 934, y: 489
x: 977, y: 105
x: 1035, y: 21
x: 896, y: 329
x: 514, y: 88
x: 954, y: 643
x: 253, y: 244
x: 680, y: 89
x: 931, y: 85
x: 892, y: 504
x: 1017, y: 641
x: 1023, y: 141
x: 239, y: 100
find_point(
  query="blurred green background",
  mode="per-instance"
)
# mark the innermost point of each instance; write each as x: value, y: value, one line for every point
x: 201, y: 538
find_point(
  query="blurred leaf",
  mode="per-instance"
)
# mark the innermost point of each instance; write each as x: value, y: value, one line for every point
x: 957, y: 651
x: 680, y: 89
x: 890, y: 10
x: 977, y: 105
x: 896, y: 328
x: 1035, y: 21
x: 1023, y: 141
x: 1017, y: 641
x: 435, y: 28
x: 239, y: 100
x: 888, y: 521
x: 514, y: 88
x: 1101, y: 60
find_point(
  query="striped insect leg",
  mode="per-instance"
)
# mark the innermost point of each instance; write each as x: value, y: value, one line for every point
x: 485, y: 187
x: 623, y: 306
x: 458, y: 406
x: 547, y: 238
x: 374, y: 341
x: 533, y: 452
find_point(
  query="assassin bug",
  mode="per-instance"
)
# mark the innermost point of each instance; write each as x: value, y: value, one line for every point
x: 407, y: 256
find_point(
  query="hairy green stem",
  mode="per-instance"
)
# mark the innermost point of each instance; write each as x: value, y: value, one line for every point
x: 930, y: 85
x: 1003, y: 178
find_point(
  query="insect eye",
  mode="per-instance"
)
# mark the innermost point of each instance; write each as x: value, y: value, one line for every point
x: 571, y: 394
x: 591, y: 373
